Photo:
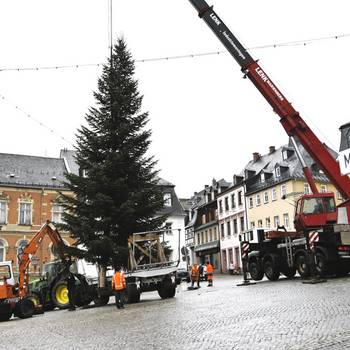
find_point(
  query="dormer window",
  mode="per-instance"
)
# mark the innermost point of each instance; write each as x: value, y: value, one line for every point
x: 262, y: 177
x: 167, y: 199
x: 285, y: 154
x: 278, y: 172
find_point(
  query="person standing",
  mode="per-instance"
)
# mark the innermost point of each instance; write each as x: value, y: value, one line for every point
x: 195, y: 275
x: 210, y: 272
x: 118, y: 286
x: 231, y: 268
x: 71, y: 291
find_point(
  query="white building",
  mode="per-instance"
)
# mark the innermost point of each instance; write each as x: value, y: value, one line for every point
x: 232, y: 221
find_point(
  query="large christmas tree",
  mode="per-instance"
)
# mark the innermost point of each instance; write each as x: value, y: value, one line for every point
x: 116, y: 192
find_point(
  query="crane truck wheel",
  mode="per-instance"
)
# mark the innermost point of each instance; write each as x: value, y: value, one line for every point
x: 302, y: 265
x: 24, y: 308
x: 167, y: 289
x: 255, y: 271
x: 290, y: 272
x: 321, y: 264
x: 271, y: 270
x: 59, y: 295
x: 5, y: 312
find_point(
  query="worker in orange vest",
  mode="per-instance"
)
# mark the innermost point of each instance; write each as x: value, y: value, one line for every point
x: 118, y: 286
x: 209, y: 272
x: 195, y: 275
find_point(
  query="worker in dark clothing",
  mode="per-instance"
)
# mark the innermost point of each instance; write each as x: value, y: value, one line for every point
x: 71, y: 291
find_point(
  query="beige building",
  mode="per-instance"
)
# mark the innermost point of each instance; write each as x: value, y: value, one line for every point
x: 274, y: 182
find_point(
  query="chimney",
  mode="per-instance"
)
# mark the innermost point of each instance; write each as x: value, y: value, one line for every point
x: 272, y: 149
x: 256, y: 156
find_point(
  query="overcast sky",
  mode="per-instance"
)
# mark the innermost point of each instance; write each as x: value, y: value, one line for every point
x: 206, y: 120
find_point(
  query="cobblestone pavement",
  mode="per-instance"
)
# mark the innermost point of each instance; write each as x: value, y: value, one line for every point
x: 269, y: 315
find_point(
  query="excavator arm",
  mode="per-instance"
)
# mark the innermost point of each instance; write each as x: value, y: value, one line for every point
x: 290, y: 119
x: 24, y: 260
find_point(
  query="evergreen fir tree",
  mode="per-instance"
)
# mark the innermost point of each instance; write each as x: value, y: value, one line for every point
x: 116, y: 193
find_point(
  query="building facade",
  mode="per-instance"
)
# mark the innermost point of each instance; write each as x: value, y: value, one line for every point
x: 232, y: 221
x: 30, y: 188
x: 274, y: 183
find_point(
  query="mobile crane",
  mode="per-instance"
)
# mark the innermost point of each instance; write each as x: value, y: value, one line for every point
x: 14, y: 297
x: 278, y: 251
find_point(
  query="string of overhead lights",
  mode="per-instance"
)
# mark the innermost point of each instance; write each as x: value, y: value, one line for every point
x: 304, y: 42
x: 35, y: 120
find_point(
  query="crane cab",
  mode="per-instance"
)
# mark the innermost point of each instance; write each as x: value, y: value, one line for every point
x: 314, y: 211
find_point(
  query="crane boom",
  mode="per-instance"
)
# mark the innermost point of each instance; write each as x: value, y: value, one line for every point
x: 290, y: 119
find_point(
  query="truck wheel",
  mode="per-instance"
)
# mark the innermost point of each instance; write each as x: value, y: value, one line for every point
x: 59, y: 295
x: 132, y: 294
x: 38, y: 304
x: 302, y: 266
x: 321, y: 264
x: 255, y: 271
x: 167, y: 289
x: 24, y: 308
x: 102, y: 300
x: 271, y: 271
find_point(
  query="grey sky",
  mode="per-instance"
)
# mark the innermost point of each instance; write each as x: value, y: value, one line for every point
x: 206, y: 119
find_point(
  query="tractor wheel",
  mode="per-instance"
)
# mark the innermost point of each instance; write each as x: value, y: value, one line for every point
x: 271, y: 271
x: 255, y: 271
x: 59, y: 295
x: 5, y: 312
x: 102, y: 300
x: 132, y: 294
x: 38, y: 304
x: 24, y: 308
x: 302, y: 265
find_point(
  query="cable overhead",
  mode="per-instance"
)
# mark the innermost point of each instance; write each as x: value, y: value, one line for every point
x: 35, y: 120
x: 303, y: 42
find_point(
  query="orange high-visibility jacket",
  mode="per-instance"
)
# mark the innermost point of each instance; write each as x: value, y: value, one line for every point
x: 194, y: 270
x: 210, y: 269
x: 118, y: 281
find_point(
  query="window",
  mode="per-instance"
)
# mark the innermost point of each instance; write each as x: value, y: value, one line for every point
x: 276, y: 221
x: 240, y: 202
x: 274, y: 194
x: 57, y: 211
x: 283, y: 190
x: 215, y: 234
x: 250, y: 202
x: 267, y: 222
x: 167, y: 228
x: 220, y: 206
x: 339, y: 196
x: 258, y: 200
x: 262, y: 177
x: 203, y: 219
x: 167, y: 199
x: 252, y: 224
x: 235, y: 229
x: 226, y: 204
x: 323, y: 188
x: 21, y: 245
x: 198, y: 239
x: 306, y: 188
x: 242, y: 223
x: 278, y: 172
x: 286, y: 220
x: 259, y: 223
x: 266, y: 197
x: 202, y: 237
x: 206, y: 236
x: 228, y: 224
x: 5, y: 272
x: 210, y: 235
x: 2, y: 251
x: 3, y: 209
x: 233, y: 201
x: 25, y: 213
x: 222, y: 231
